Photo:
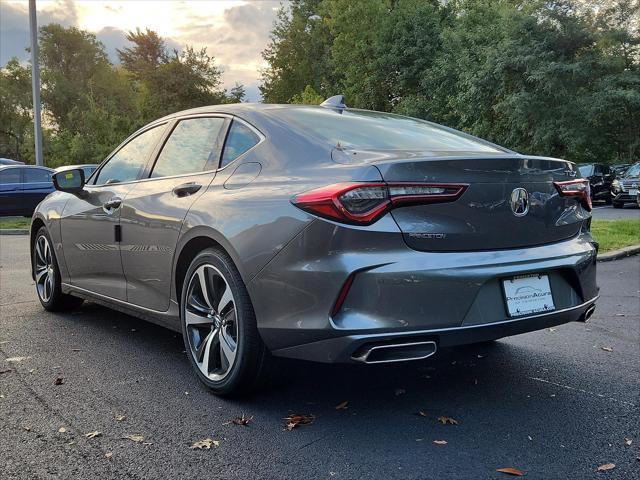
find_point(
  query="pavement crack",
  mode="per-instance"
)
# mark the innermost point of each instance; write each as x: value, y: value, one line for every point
x: 593, y: 394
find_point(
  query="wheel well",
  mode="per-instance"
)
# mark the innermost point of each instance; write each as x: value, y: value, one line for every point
x: 192, y: 248
x: 36, y: 225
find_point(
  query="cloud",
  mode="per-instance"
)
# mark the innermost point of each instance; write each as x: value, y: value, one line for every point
x: 236, y: 35
x: 14, y: 24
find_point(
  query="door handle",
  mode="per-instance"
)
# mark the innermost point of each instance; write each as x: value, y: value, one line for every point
x: 112, y: 204
x: 186, y: 189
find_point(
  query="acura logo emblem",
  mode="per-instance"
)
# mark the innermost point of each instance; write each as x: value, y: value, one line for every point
x: 520, y: 202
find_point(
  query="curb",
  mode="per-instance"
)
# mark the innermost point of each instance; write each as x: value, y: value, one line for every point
x: 13, y: 231
x: 616, y: 254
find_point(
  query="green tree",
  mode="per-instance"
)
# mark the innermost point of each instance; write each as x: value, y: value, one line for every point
x: 308, y: 97
x: 298, y: 54
x: 147, y: 53
x: 16, y: 120
x: 236, y: 94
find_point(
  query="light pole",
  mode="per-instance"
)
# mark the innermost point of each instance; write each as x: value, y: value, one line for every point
x: 35, y: 82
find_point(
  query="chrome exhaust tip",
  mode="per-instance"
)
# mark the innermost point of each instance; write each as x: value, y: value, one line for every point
x: 397, y: 352
x: 588, y: 313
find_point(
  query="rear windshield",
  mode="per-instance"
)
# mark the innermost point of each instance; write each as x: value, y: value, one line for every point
x: 362, y: 129
x: 586, y: 170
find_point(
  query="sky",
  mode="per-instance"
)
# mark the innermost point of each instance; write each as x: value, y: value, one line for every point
x: 235, y: 32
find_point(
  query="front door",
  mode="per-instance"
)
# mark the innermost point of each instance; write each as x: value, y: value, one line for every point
x: 90, y: 220
x: 153, y: 211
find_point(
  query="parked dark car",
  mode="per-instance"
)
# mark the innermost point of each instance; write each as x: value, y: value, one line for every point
x: 600, y: 178
x: 321, y: 233
x: 22, y: 188
x: 8, y: 161
x: 87, y: 168
x: 627, y: 187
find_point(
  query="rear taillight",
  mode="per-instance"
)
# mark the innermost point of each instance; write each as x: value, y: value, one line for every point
x: 364, y: 203
x: 576, y: 188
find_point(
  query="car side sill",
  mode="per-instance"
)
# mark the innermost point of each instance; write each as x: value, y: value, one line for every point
x: 168, y: 319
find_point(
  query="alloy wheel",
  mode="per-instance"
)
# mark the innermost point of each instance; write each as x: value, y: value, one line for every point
x: 44, y: 269
x: 211, y: 322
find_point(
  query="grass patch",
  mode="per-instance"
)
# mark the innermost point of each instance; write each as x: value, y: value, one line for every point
x: 15, y: 223
x: 615, y: 234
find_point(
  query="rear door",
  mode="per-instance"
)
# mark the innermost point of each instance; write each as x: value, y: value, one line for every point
x: 90, y: 220
x: 153, y: 211
x: 37, y: 185
x: 11, y: 191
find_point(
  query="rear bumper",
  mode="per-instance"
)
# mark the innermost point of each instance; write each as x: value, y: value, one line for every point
x: 451, y: 298
x: 346, y: 349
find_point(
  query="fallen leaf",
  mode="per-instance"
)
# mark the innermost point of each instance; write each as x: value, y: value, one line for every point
x: 510, y: 471
x: 62, y: 430
x: 242, y: 420
x: 628, y: 441
x: 529, y: 437
x: 343, y: 405
x: 481, y: 356
x: 17, y: 359
x: 28, y: 429
x: 422, y: 413
x: 605, y: 467
x: 134, y: 438
x: 108, y: 455
x: 93, y: 434
x: 552, y: 329
x: 447, y: 420
x: 205, y: 444
x: 58, y: 381
x: 440, y: 442
x: 119, y: 417
x: 607, y: 349
x: 296, y: 419
x: 399, y: 391
x: 5, y: 370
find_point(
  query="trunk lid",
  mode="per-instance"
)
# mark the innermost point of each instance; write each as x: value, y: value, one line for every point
x: 483, y: 217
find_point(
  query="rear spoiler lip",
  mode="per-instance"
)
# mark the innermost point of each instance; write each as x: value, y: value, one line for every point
x: 397, y: 156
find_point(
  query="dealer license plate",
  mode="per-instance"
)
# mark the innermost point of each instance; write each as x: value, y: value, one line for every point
x: 528, y: 294
x: 633, y: 191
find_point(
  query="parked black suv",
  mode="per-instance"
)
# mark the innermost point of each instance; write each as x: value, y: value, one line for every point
x: 600, y: 179
x: 626, y: 188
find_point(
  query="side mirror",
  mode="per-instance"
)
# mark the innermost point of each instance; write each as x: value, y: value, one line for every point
x: 70, y: 180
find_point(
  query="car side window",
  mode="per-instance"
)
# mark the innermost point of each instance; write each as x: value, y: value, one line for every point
x: 240, y: 139
x: 35, y: 175
x: 10, y: 175
x: 193, y: 146
x: 127, y: 163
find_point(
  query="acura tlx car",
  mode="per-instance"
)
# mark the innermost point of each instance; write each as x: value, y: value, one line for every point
x: 321, y: 233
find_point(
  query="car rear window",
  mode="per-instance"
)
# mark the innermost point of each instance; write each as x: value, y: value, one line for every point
x: 36, y: 175
x: 586, y: 170
x: 364, y: 129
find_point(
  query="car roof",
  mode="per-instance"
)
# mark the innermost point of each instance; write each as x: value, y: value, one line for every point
x: 4, y: 167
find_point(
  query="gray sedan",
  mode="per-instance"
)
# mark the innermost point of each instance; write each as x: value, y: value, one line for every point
x: 321, y: 233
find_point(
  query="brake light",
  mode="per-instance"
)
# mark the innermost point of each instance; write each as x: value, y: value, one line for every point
x: 576, y: 188
x: 364, y: 203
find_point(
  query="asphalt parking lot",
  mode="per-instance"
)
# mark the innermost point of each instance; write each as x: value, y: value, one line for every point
x: 607, y: 212
x: 555, y: 404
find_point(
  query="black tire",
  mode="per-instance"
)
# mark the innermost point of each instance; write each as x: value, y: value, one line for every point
x: 618, y: 205
x: 252, y: 361
x: 55, y: 300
